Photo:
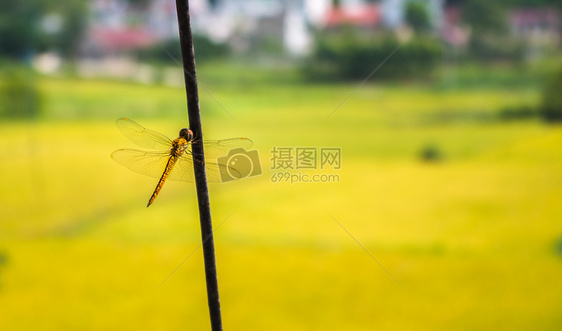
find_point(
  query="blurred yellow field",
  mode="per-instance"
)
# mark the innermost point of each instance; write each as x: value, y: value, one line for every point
x: 474, y: 239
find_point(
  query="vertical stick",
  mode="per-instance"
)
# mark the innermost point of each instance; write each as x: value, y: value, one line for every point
x: 188, y: 57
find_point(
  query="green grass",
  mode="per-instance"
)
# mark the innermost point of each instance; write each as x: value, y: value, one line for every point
x: 472, y: 239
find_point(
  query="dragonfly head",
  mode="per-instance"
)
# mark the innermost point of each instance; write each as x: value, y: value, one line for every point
x: 186, y: 134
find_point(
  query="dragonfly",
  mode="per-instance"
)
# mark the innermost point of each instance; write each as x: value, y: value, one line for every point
x: 173, y: 159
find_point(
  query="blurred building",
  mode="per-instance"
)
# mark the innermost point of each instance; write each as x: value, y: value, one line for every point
x: 453, y: 31
x: 287, y: 26
x: 363, y: 15
x: 539, y: 28
x: 111, y: 32
x: 245, y: 24
x: 241, y: 23
x: 536, y: 29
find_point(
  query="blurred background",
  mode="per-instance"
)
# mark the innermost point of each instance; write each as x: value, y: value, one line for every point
x: 446, y: 212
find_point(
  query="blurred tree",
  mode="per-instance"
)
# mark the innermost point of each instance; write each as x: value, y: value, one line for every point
x: 19, y: 28
x: 3, y: 262
x: 351, y: 56
x: 559, y: 246
x: 488, y: 29
x: 336, y: 3
x: 551, y: 107
x: 484, y: 16
x: 430, y: 153
x: 417, y: 16
x: 169, y: 51
x: 74, y: 13
x: 40, y: 25
x: 533, y: 3
x: 19, y: 94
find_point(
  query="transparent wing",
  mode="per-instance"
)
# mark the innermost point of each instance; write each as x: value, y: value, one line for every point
x: 153, y: 164
x: 142, y: 136
x: 217, y: 148
x: 183, y: 170
x: 145, y: 163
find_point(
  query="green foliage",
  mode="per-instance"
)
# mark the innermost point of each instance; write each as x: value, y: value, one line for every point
x: 488, y: 31
x: 74, y: 13
x: 269, y: 45
x: 348, y: 56
x: 19, y: 93
x: 490, y: 48
x: 513, y: 113
x: 559, y: 247
x: 533, y: 3
x: 471, y: 75
x: 169, y: 52
x: 551, y: 107
x: 485, y: 16
x: 19, y: 27
x: 3, y: 262
x: 417, y: 16
x: 206, y: 49
x: 430, y: 153
x: 21, y: 32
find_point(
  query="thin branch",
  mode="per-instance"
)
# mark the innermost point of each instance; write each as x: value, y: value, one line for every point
x: 194, y: 115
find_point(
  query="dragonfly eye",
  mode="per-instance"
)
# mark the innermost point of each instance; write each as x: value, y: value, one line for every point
x: 186, y: 134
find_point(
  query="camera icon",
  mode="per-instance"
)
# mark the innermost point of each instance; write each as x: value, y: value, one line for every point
x: 239, y: 163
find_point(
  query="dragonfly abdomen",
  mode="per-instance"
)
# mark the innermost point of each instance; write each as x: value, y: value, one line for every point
x: 179, y: 145
x: 171, y: 161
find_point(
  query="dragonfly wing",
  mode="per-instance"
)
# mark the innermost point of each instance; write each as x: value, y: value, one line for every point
x: 145, y: 163
x: 217, y: 148
x: 220, y: 172
x: 230, y: 143
x: 142, y: 136
x: 183, y: 171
